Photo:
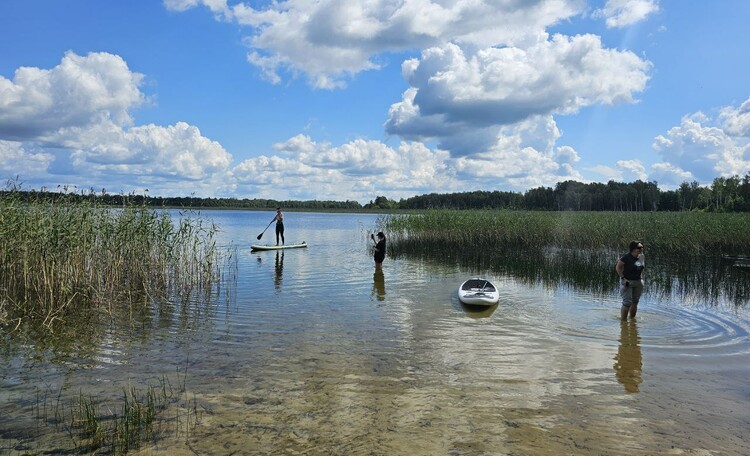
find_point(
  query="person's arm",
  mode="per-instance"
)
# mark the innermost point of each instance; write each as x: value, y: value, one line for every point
x: 620, y: 268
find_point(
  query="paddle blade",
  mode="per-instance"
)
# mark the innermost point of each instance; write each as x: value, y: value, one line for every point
x: 260, y: 236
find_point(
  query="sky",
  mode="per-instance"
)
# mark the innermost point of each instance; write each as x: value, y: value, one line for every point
x: 354, y: 99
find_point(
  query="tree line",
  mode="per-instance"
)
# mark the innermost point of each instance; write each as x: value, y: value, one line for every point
x: 725, y: 194
x: 730, y: 194
x: 193, y: 202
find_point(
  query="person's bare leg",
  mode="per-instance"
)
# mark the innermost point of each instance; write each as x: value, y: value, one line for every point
x: 633, y: 310
x: 624, y: 313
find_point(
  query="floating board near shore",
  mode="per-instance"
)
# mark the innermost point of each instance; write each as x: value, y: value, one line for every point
x: 278, y: 247
x: 478, y: 292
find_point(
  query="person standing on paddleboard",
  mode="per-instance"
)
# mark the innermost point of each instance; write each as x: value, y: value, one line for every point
x: 279, y: 226
x: 630, y: 269
x: 379, y: 249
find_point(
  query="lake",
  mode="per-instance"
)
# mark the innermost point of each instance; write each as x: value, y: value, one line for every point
x: 313, y: 351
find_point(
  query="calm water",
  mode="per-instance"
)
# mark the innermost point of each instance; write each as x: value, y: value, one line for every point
x: 312, y: 351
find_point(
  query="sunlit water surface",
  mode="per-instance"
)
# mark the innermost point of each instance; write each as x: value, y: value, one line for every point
x: 312, y: 351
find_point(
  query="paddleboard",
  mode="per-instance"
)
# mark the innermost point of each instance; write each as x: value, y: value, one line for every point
x: 278, y: 247
x: 478, y: 292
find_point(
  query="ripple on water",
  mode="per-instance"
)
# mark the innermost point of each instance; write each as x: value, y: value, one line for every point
x: 695, y: 332
x: 669, y: 327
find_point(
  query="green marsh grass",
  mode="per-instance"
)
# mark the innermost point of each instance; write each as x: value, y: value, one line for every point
x: 711, y: 233
x: 59, y: 260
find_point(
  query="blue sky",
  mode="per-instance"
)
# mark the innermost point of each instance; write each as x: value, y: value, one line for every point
x: 353, y: 99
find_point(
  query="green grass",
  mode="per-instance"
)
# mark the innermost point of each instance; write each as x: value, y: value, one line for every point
x: 58, y: 259
x: 674, y: 232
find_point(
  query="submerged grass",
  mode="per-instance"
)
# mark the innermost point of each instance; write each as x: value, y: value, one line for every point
x: 58, y: 259
x: 96, y: 426
x: 673, y: 232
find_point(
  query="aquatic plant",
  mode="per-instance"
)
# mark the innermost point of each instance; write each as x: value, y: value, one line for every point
x: 97, y: 426
x: 713, y: 233
x: 59, y: 258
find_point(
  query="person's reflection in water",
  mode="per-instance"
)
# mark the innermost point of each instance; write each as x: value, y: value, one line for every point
x: 279, y: 267
x: 628, y: 360
x: 378, y: 285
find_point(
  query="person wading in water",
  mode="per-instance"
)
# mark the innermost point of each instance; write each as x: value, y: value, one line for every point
x: 630, y: 269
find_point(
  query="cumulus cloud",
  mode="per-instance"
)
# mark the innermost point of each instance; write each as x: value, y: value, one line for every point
x: 484, y: 88
x: 701, y: 148
x: 521, y: 156
x: 219, y: 7
x: 74, y: 121
x: 175, y: 151
x: 20, y: 161
x: 736, y: 121
x: 669, y: 176
x: 330, y: 40
x: 454, y: 94
x: 623, y: 13
x: 357, y: 170
x: 632, y: 170
x: 79, y: 92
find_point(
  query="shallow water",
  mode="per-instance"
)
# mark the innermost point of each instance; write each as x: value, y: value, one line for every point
x: 315, y: 352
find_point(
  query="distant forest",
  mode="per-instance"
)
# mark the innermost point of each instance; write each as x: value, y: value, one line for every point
x: 730, y: 194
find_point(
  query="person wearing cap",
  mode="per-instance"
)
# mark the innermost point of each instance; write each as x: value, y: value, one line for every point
x: 630, y: 269
x: 279, y: 226
x: 379, y: 249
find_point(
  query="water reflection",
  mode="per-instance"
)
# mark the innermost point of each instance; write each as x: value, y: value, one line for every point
x: 279, y: 270
x: 628, y: 360
x: 690, y: 278
x: 378, y: 285
x: 479, y: 311
x: 420, y: 375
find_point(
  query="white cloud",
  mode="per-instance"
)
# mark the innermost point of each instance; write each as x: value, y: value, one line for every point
x: 175, y: 151
x: 356, y: 170
x: 16, y: 160
x: 79, y: 92
x: 705, y: 150
x: 607, y: 173
x: 455, y: 95
x: 736, y: 121
x: 219, y: 7
x: 632, y: 170
x: 523, y: 156
x: 669, y: 176
x: 623, y: 13
x: 74, y: 121
x: 329, y: 40
x: 623, y: 171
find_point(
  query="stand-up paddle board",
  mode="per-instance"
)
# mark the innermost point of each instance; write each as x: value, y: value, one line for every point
x: 278, y: 247
x: 478, y: 292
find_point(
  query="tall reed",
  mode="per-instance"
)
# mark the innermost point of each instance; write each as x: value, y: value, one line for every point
x: 64, y: 257
x: 714, y: 233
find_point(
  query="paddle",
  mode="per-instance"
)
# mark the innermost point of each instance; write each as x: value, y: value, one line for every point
x: 261, y: 234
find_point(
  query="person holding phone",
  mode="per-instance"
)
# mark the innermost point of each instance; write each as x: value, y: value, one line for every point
x: 379, y: 250
x: 630, y: 269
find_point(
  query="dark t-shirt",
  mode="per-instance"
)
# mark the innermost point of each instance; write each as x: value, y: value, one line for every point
x: 380, y: 251
x: 633, y: 266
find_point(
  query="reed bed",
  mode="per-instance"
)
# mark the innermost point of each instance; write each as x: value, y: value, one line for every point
x: 672, y: 232
x: 60, y: 258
